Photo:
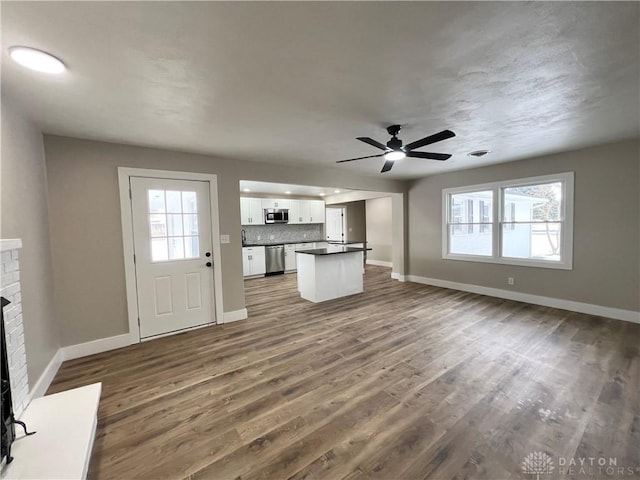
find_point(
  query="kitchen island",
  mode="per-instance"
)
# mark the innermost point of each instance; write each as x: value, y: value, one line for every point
x: 331, y: 272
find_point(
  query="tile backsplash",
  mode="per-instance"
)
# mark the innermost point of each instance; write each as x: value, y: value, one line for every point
x: 283, y: 233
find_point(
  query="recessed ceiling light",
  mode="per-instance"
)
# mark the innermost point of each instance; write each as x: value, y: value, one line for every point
x: 288, y: 192
x: 395, y: 155
x: 478, y: 153
x: 336, y: 191
x: 246, y: 190
x: 36, y: 60
x: 321, y: 194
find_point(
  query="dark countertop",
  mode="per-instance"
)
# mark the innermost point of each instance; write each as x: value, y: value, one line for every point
x: 266, y: 244
x: 348, y: 242
x: 335, y: 249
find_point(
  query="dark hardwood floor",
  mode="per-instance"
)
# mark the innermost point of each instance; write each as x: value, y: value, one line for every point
x: 402, y: 381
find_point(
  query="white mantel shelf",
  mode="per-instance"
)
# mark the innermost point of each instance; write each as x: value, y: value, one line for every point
x: 65, y: 425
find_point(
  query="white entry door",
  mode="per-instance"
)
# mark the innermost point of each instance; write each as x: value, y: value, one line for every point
x: 334, y: 222
x: 173, y: 254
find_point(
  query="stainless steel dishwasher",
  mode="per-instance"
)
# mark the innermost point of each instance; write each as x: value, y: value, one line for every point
x: 275, y: 259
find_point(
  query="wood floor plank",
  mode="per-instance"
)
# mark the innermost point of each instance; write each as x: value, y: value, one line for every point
x: 402, y: 381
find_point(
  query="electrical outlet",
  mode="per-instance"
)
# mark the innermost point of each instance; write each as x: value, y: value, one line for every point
x: 510, y: 280
x: 304, y: 235
x: 271, y: 237
x: 259, y: 237
x: 224, y: 238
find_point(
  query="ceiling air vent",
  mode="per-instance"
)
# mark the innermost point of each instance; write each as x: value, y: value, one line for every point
x: 478, y: 153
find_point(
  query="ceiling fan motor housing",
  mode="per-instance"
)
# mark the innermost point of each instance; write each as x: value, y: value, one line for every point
x: 395, y: 143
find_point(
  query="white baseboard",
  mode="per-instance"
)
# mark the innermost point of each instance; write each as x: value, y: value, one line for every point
x: 397, y: 276
x: 379, y: 263
x: 96, y: 346
x: 41, y: 386
x: 235, y: 315
x: 599, y: 310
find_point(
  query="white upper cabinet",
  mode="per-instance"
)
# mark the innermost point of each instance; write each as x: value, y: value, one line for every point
x: 275, y: 203
x: 316, y: 211
x: 303, y: 211
x: 300, y: 211
x: 251, y: 211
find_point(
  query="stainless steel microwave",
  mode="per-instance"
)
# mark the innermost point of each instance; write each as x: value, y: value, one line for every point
x: 276, y: 215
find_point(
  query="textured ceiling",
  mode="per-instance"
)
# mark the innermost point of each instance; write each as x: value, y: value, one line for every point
x: 295, y: 83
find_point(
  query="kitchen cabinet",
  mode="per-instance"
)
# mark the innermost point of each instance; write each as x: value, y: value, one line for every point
x: 275, y: 203
x: 289, y: 258
x: 306, y: 211
x: 298, y: 211
x: 253, y: 261
x: 251, y: 211
x: 316, y: 211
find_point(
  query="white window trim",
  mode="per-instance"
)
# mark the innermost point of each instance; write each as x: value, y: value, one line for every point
x: 567, y: 179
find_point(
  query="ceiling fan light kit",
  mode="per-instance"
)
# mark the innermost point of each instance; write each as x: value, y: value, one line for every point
x: 395, y: 155
x: 394, y: 150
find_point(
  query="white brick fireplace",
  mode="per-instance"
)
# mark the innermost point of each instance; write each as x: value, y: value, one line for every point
x: 16, y: 354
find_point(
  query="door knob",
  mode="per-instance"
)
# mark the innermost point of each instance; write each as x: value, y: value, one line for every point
x: 209, y: 264
x: 208, y: 254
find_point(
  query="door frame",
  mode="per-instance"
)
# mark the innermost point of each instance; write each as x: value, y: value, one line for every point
x: 126, y: 216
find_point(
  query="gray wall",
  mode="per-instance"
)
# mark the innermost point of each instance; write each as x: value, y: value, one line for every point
x: 356, y: 221
x: 86, y: 235
x: 23, y: 209
x: 606, y: 258
x: 379, y: 228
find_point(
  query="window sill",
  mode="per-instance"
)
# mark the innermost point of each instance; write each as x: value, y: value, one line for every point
x: 567, y: 265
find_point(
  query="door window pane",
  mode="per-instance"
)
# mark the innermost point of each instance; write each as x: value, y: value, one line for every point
x: 174, y: 204
x: 190, y: 224
x: 189, y: 202
x: 191, y: 247
x: 174, y: 225
x: 176, y: 248
x: 158, y: 225
x: 174, y: 234
x: 156, y: 201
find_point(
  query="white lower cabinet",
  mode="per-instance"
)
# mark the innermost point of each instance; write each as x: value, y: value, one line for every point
x: 253, y: 261
x: 289, y: 258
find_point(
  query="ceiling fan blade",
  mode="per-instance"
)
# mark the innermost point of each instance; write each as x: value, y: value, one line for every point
x: 437, y: 137
x: 387, y: 166
x: 429, y: 155
x: 372, y: 142
x: 359, y: 158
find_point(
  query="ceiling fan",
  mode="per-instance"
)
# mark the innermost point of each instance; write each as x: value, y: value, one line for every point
x: 395, y: 151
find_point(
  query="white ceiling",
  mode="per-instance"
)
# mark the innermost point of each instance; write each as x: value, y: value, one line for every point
x: 295, y: 82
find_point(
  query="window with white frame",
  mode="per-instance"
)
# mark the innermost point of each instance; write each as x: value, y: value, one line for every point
x: 528, y: 221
